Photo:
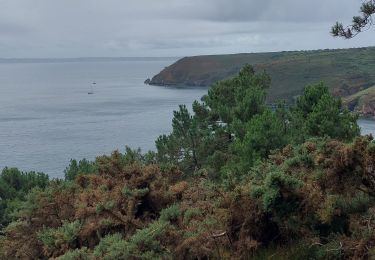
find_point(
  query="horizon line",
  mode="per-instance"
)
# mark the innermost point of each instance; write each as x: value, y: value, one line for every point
x: 168, y: 57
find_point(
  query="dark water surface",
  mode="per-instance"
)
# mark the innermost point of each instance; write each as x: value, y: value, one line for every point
x: 47, y: 116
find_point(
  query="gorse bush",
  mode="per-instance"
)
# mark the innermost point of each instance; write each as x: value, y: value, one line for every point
x: 190, y: 213
x: 77, y: 254
x: 112, y: 247
x: 144, y: 244
x: 55, y: 240
x: 170, y: 214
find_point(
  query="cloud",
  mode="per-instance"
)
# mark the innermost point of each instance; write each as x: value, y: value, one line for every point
x: 263, y: 10
x: 70, y: 28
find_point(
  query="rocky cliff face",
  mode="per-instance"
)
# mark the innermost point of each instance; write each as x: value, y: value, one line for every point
x: 345, y: 71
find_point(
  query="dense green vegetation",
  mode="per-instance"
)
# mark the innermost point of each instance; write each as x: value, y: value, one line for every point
x: 14, y: 187
x: 233, y: 180
x: 233, y: 128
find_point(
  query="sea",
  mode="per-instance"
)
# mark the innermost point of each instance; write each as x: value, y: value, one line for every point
x: 48, y: 118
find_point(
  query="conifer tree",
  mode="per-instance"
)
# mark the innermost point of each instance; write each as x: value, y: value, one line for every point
x: 360, y: 23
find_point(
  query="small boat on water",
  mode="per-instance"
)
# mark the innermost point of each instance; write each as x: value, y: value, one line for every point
x: 91, y: 92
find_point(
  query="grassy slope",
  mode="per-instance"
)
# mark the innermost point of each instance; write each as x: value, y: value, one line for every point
x: 362, y: 101
x: 346, y: 71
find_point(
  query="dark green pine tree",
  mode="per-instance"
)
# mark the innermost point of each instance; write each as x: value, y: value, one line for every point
x: 359, y: 24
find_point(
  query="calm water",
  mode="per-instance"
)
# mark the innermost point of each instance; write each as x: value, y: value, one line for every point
x: 47, y: 117
x: 367, y: 126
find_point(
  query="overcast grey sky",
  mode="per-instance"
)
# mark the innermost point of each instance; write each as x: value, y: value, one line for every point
x: 114, y: 28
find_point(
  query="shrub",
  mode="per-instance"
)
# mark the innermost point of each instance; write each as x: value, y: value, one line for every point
x: 127, y: 192
x: 143, y: 244
x: 191, y: 213
x: 170, y: 214
x: 56, y: 240
x: 112, y: 247
x: 77, y: 254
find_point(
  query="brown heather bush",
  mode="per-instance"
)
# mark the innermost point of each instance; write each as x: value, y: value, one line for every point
x: 121, y: 198
x: 314, y: 200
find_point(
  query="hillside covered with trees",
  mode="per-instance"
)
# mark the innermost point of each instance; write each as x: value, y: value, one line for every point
x: 233, y: 180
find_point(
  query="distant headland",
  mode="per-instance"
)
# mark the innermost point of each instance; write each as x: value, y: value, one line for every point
x: 345, y: 71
